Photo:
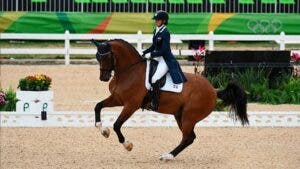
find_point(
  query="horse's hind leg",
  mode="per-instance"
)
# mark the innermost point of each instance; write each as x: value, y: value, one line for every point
x: 108, y: 102
x: 125, y: 114
x: 188, y: 136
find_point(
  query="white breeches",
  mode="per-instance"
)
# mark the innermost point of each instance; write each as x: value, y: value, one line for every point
x: 161, y: 70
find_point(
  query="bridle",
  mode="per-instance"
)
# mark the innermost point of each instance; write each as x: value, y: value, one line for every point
x: 101, y: 56
x: 104, y: 55
x: 110, y: 53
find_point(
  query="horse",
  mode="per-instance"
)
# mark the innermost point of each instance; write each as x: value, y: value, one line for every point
x: 127, y: 87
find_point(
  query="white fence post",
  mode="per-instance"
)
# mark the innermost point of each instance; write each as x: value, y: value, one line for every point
x: 67, y: 47
x: 211, y: 41
x: 139, y: 41
x: 282, y: 41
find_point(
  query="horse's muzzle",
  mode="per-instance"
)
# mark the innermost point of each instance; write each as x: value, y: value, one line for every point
x: 105, y: 77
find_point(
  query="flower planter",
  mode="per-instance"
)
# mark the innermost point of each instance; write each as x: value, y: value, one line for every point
x: 34, y: 101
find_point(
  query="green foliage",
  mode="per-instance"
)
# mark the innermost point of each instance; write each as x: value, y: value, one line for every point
x: 291, y: 90
x: 10, y: 101
x: 249, y: 76
x: 285, y: 90
x: 220, y: 80
x: 220, y: 106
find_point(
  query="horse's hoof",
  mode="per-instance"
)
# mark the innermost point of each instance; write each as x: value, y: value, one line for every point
x: 128, y: 145
x: 166, y: 157
x: 105, y: 132
x: 98, y: 125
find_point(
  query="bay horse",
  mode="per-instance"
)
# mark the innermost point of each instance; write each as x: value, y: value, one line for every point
x: 127, y: 87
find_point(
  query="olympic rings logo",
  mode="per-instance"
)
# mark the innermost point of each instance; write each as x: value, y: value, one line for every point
x: 264, y: 26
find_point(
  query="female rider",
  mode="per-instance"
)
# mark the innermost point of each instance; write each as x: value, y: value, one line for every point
x: 161, y: 50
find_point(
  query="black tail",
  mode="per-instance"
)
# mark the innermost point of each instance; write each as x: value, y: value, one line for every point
x: 236, y: 97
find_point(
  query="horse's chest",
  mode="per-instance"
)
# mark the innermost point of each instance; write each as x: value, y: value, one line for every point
x: 112, y: 85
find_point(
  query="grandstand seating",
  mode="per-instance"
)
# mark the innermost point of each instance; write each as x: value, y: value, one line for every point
x: 246, y: 2
x: 38, y: 1
x: 82, y: 1
x: 227, y: 6
x: 138, y: 1
x: 99, y: 1
x: 176, y: 1
x: 287, y: 1
x: 120, y: 1
x: 217, y: 1
x: 194, y: 1
x: 157, y: 1
x: 268, y: 1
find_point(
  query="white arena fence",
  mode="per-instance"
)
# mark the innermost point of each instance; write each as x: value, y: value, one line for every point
x: 145, y: 119
x: 138, y: 39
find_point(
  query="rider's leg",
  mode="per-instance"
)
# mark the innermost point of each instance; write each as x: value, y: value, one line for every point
x: 162, y: 69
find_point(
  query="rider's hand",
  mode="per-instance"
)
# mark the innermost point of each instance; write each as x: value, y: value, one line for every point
x: 146, y: 56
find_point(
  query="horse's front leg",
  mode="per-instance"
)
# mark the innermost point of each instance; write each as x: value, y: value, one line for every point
x: 108, y: 102
x: 125, y: 114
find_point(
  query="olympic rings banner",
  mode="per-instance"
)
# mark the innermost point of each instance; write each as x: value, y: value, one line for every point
x: 183, y: 23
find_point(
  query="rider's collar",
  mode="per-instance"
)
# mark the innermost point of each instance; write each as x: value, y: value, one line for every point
x: 160, y: 29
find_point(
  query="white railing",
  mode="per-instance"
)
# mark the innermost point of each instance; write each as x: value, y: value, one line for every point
x: 138, y: 39
x: 144, y: 119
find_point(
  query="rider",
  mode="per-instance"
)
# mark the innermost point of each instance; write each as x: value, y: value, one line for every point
x: 161, y: 50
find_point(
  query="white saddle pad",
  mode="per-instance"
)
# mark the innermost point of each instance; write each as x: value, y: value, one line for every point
x: 169, y: 85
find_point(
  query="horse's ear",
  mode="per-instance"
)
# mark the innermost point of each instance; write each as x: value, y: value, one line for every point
x: 95, y: 42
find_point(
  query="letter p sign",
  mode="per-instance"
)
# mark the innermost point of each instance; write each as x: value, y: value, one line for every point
x: 45, y: 106
x: 25, y: 107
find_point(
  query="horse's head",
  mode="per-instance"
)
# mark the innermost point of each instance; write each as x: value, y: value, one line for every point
x: 105, y: 58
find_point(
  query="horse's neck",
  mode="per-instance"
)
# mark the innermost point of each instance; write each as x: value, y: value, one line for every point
x: 125, y: 59
x: 125, y: 63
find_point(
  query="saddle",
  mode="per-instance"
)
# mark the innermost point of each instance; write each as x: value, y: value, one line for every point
x: 165, y: 83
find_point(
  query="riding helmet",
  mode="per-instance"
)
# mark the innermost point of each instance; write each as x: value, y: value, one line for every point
x: 163, y: 15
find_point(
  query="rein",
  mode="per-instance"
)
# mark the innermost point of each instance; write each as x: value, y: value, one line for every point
x: 108, y: 51
x: 113, y: 63
x: 120, y: 71
x: 128, y: 67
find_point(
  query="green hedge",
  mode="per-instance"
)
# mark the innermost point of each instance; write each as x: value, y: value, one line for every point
x: 286, y: 89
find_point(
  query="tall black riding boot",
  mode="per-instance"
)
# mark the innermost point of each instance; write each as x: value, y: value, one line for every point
x: 155, y: 96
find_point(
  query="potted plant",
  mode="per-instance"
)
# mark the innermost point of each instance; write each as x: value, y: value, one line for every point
x: 8, y: 100
x: 34, y: 95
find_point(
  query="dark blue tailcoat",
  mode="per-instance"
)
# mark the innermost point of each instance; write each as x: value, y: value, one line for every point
x: 161, y: 47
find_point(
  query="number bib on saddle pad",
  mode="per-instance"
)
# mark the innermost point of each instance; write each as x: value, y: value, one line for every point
x: 168, y: 86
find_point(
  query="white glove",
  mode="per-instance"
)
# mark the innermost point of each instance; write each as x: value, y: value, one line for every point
x: 147, y: 56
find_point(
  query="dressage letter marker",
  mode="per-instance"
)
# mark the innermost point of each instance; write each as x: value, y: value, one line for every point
x: 34, y: 101
x: 25, y: 107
